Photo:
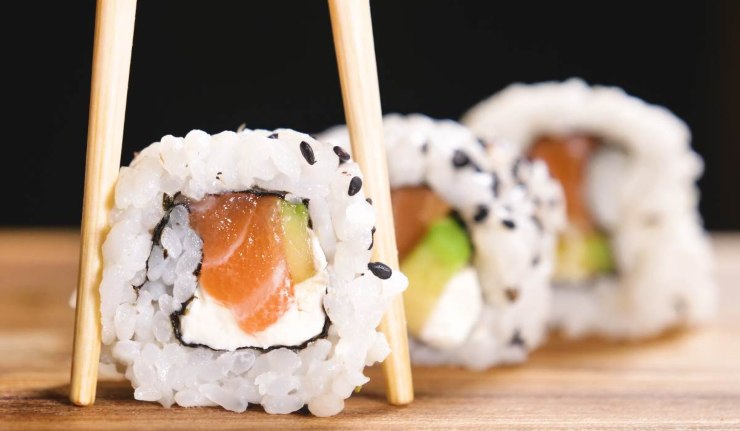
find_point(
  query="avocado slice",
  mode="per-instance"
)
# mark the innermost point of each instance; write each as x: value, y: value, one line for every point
x: 599, y: 257
x: 443, y: 252
x: 581, y: 256
x: 297, y: 241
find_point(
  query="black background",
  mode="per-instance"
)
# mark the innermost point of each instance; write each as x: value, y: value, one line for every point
x: 215, y: 65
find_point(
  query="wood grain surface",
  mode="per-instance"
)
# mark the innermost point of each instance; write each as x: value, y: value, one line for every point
x: 686, y: 380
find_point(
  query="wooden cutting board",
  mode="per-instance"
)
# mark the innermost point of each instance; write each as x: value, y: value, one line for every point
x: 679, y: 381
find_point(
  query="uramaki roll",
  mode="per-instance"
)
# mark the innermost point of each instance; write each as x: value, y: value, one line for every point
x: 475, y: 237
x: 237, y: 270
x: 634, y: 259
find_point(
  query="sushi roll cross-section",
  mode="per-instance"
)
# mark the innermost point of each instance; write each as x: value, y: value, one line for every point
x: 633, y: 259
x: 237, y: 271
x: 474, y: 245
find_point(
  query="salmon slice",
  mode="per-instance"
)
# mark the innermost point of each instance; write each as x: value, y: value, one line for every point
x: 415, y: 209
x: 567, y: 158
x: 245, y: 267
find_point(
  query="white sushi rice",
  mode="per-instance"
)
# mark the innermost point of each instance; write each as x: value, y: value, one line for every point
x: 513, y: 263
x: 136, y: 326
x: 644, y: 195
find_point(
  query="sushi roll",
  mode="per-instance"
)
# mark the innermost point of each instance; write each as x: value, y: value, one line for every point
x: 473, y: 240
x: 237, y: 271
x: 633, y: 260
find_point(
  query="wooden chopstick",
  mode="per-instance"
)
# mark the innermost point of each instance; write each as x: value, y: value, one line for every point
x: 353, y: 41
x: 114, y: 33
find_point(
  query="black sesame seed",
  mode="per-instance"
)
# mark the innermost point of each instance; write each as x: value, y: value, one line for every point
x: 380, y: 270
x: 273, y: 136
x: 515, y: 169
x: 517, y: 340
x: 495, y: 184
x: 424, y: 147
x: 536, y: 260
x: 482, y: 143
x: 508, y: 223
x: 307, y: 152
x: 460, y: 159
x: 369, y: 200
x: 343, y: 155
x: 355, y: 184
x: 372, y: 238
x: 481, y: 213
x: 511, y: 294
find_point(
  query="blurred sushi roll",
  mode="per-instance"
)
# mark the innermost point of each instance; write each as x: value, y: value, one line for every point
x: 634, y: 259
x: 473, y: 240
x: 237, y: 271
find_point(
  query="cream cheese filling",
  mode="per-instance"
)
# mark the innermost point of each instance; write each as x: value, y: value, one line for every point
x: 456, y: 311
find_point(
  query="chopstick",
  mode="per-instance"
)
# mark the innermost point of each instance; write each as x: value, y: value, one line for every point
x: 114, y: 32
x: 353, y: 41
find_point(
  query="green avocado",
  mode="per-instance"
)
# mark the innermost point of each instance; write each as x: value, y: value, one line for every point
x: 582, y: 256
x: 297, y: 241
x: 599, y: 256
x: 442, y: 253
